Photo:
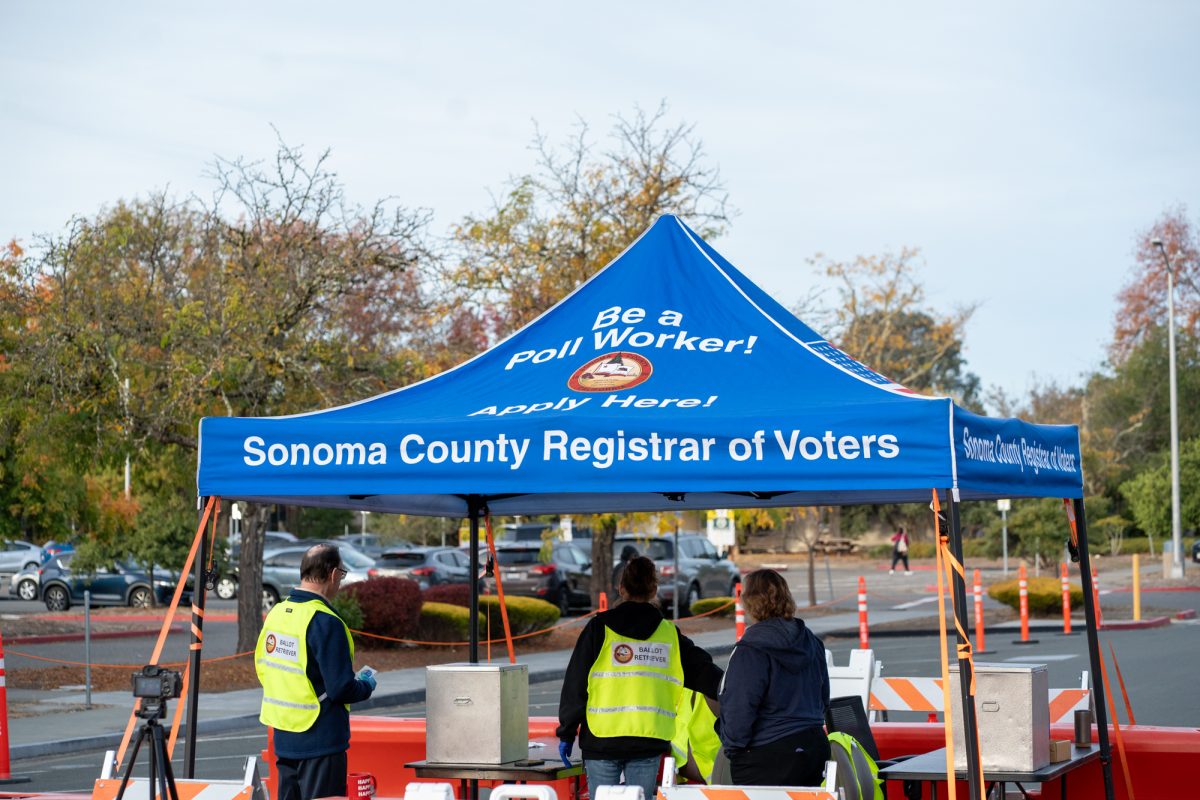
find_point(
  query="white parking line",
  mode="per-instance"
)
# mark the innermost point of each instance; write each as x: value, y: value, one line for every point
x: 922, y: 601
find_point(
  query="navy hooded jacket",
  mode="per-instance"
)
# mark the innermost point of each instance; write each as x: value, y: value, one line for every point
x: 776, y: 684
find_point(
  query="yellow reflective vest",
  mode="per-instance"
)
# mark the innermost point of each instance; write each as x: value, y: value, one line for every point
x: 634, y: 685
x: 290, y: 702
x: 695, y: 725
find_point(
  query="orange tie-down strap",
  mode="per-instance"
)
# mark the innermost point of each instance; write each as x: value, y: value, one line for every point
x: 737, y: 793
x: 106, y: 789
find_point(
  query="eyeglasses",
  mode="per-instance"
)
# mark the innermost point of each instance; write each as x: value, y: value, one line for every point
x: 342, y: 572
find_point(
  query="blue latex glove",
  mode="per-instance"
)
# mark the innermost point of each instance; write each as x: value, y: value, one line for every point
x: 368, y: 678
x: 564, y: 752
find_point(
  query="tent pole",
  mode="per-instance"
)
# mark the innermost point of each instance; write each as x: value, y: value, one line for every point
x: 474, y: 504
x: 193, y: 693
x: 970, y: 723
x: 1093, y: 637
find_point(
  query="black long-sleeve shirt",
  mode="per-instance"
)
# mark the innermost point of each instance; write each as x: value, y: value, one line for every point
x: 332, y: 674
x: 635, y: 621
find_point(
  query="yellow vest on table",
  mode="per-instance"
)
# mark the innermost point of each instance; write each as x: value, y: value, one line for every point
x: 290, y: 702
x: 634, y: 685
x: 695, y: 725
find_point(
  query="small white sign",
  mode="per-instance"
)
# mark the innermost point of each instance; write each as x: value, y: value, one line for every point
x: 1004, y: 505
x: 641, y: 654
x: 720, y: 527
x: 282, y: 647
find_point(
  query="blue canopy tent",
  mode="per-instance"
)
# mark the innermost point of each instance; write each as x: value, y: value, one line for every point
x: 668, y: 381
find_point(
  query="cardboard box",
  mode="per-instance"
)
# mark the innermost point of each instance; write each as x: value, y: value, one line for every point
x: 1060, y: 750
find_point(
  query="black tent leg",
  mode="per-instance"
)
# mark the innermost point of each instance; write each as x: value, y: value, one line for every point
x: 1093, y: 636
x: 197, y: 643
x: 474, y: 504
x: 970, y: 723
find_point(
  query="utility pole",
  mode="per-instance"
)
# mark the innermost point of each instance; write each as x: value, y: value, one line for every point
x: 1176, y: 520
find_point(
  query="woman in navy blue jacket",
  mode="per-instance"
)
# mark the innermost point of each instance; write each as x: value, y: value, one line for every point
x: 775, y: 692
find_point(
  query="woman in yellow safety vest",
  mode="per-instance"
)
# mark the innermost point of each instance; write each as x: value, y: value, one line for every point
x: 623, y: 684
x: 775, y: 692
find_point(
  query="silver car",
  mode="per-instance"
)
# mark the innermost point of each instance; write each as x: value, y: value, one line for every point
x: 281, y: 569
x: 17, y: 555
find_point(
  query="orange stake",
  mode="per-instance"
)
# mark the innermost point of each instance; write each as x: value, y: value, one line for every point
x: 603, y: 604
x: 1066, y: 594
x: 864, y: 641
x: 979, y: 643
x: 739, y: 613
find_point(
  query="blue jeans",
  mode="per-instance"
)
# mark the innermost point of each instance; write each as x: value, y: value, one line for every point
x: 641, y: 772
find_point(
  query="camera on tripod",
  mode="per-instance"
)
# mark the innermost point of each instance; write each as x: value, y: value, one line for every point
x: 154, y: 686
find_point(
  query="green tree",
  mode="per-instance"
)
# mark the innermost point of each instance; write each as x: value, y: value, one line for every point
x: 552, y: 230
x: 1149, y: 492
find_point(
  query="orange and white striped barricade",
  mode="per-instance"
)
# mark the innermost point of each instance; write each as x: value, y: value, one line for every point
x: 907, y: 694
x: 825, y: 792
x: 250, y: 787
x: 1064, y: 702
x: 739, y: 613
x: 864, y: 638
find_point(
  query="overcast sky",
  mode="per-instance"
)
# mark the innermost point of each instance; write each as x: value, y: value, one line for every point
x: 1022, y: 147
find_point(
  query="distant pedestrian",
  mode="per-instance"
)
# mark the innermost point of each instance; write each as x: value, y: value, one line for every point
x: 627, y: 552
x: 900, y: 551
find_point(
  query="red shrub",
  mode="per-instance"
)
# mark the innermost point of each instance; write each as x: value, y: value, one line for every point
x: 390, y: 607
x: 456, y: 594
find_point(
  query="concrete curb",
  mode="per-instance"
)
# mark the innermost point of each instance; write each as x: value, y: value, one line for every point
x: 50, y: 638
x: 1135, y: 625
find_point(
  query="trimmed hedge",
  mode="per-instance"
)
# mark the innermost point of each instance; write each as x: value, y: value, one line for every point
x: 455, y: 594
x: 709, y: 603
x: 1045, y: 595
x: 390, y: 607
x: 449, y: 622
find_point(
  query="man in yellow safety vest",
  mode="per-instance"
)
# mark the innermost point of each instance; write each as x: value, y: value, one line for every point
x: 304, y: 662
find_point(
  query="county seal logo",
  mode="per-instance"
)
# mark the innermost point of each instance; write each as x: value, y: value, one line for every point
x: 623, y: 654
x: 270, y: 643
x: 611, y: 372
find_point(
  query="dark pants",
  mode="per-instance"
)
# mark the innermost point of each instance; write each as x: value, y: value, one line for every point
x: 309, y: 778
x: 795, y: 760
x: 898, y: 556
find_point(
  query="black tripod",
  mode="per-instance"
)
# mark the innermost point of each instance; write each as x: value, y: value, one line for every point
x: 162, y: 776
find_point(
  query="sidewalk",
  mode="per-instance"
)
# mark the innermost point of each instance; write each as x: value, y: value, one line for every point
x: 59, y: 723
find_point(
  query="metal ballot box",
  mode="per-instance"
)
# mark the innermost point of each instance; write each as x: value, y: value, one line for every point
x: 1012, y: 703
x: 476, y: 713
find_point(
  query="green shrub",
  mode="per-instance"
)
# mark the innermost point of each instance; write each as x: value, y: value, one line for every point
x: 390, y: 607
x: 348, y: 609
x: 1045, y: 595
x: 446, y: 622
x: 525, y: 615
x: 709, y: 603
x: 443, y: 622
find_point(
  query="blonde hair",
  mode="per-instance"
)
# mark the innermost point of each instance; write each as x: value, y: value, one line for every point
x: 766, y: 595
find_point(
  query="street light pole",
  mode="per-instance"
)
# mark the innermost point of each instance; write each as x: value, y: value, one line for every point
x: 1176, y: 519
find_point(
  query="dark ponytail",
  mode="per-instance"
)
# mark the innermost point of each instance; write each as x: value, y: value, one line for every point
x: 640, y: 579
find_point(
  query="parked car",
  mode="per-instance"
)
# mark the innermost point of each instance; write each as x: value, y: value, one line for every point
x: 227, y: 583
x: 16, y: 555
x: 564, y: 579
x: 428, y: 566
x: 1196, y: 551
x: 372, y: 544
x: 703, y: 572
x: 26, y: 584
x: 122, y: 584
x: 53, y: 548
x: 281, y: 569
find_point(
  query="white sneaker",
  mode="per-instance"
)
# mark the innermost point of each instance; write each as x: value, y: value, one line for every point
x: 908, y: 572
x: 891, y: 572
